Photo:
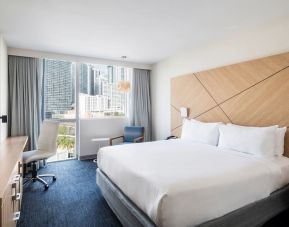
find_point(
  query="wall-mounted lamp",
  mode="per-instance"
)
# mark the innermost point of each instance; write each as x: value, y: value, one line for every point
x: 184, y: 112
x: 4, y: 118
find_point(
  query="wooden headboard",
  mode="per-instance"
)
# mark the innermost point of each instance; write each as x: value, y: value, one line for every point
x: 253, y: 93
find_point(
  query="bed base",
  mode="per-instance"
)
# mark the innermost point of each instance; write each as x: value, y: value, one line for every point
x: 253, y: 215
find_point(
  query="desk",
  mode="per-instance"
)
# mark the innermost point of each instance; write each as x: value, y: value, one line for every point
x: 11, y: 179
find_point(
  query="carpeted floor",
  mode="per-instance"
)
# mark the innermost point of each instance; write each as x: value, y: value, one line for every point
x: 73, y: 200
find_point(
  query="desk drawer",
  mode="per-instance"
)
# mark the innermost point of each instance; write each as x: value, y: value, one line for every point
x: 11, y: 201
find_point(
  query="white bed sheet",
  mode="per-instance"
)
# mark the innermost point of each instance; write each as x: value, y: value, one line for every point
x: 180, y: 183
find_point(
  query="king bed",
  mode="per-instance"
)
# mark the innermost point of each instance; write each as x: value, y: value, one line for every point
x: 182, y: 183
x: 217, y: 174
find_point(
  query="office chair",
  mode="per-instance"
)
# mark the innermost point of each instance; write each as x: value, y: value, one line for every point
x: 46, y: 147
x: 132, y: 134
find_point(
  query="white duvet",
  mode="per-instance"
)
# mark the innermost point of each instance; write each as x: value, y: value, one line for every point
x: 180, y: 183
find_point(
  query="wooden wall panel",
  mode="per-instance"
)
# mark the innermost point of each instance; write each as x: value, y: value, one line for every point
x: 254, y: 93
x: 225, y: 82
x: 176, y: 119
x: 188, y: 91
x: 214, y: 115
x: 177, y: 131
x: 267, y: 103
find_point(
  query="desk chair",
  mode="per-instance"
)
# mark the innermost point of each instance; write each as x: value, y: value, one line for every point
x: 132, y: 134
x: 46, y: 147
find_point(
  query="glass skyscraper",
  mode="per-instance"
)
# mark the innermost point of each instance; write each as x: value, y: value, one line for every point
x: 59, y: 87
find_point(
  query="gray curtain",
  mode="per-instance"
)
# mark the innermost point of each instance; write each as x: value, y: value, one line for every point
x: 24, y: 89
x: 140, y: 109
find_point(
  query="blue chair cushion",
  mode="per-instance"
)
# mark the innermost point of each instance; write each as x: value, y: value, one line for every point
x: 132, y: 132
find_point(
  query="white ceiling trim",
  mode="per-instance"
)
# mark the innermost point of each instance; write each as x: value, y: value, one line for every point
x: 74, y: 58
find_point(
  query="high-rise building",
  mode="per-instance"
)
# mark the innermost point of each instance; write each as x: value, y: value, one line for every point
x: 91, y: 77
x: 110, y: 74
x: 99, y: 92
x: 58, y: 89
x: 83, y: 79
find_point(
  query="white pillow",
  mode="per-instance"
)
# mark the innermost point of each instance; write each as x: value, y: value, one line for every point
x: 280, y: 134
x: 259, y: 141
x: 196, y: 131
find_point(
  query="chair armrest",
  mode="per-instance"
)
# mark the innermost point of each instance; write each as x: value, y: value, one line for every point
x: 139, y: 139
x: 114, y: 138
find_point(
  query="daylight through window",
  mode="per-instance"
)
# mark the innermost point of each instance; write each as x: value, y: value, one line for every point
x: 99, y: 95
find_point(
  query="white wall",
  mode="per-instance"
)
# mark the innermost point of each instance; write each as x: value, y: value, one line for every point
x: 98, y: 128
x: 237, y: 47
x: 3, y: 86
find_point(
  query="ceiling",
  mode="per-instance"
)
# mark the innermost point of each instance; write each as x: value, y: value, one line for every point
x: 146, y: 31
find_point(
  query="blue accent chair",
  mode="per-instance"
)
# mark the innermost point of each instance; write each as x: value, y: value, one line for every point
x: 132, y: 134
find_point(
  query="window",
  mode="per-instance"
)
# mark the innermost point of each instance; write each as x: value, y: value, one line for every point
x: 58, y: 102
x: 99, y: 95
x: 58, y: 89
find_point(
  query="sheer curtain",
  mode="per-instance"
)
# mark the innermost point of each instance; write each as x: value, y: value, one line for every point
x: 24, y: 89
x: 140, y: 108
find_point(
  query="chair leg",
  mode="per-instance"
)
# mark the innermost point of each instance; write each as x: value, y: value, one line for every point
x: 48, y: 175
x: 44, y: 163
x: 29, y: 179
x: 38, y: 178
x: 46, y: 186
x: 34, y: 170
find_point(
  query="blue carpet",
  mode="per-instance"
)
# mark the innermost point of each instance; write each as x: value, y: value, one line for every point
x: 73, y: 200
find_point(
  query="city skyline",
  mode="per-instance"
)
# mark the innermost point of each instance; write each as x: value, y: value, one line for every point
x: 98, y: 92
x: 101, y: 93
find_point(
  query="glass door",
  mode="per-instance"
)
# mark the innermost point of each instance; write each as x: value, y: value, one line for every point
x: 58, y: 102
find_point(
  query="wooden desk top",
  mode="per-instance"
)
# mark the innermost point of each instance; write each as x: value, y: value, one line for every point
x: 10, y: 152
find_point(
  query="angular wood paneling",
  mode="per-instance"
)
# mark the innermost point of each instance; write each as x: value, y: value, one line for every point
x: 177, y: 131
x: 254, y: 93
x: 187, y: 91
x: 176, y: 119
x: 267, y: 103
x: 214, y: 115
x: 225, y: 82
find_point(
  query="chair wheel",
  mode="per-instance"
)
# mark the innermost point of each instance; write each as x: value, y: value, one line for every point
x: 54, y: 178
x: 46, y: 187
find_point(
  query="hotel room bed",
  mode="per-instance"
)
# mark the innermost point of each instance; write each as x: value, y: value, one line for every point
x: 181, y: 183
